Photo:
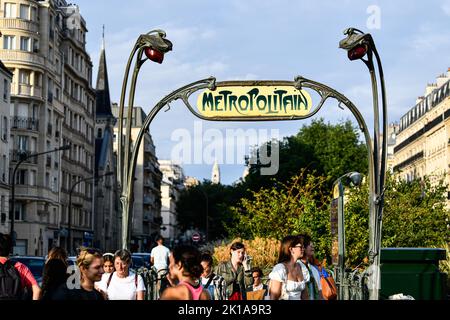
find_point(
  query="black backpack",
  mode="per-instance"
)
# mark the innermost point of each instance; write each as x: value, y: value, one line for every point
x: 10, y: 282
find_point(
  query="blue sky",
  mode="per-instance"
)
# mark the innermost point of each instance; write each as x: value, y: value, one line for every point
x: 258, y: 39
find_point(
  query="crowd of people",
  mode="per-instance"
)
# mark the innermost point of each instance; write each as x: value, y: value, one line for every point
x: 191, y: 274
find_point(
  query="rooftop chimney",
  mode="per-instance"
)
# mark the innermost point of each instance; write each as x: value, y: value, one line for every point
x: 429, y: 88
x: 419, y: 99
x: 441, y: 79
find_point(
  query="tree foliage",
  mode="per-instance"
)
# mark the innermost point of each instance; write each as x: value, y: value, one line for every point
x: 328, y: 150
x: 415, y: 215
x: 301, y: 205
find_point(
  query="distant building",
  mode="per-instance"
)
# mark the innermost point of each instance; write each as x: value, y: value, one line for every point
x: 422, y: 143
x: 5, y: 89
x: 191, y: 182
x: 171, y: 187
x: 215, y: 174
x: 107, y: 226
x: 392, y: 131
x: 146, y: 217
x: 52, y: 104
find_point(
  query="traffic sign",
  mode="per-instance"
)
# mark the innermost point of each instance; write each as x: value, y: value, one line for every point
x: 195, y: 237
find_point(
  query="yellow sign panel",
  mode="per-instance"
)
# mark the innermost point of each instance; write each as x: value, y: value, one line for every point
x: 254, y: 101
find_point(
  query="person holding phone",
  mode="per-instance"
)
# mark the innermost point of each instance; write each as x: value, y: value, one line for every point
x: 236, y: 272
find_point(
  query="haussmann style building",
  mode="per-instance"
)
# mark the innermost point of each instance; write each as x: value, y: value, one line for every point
x: 43, y: 44
x: 423, y: 140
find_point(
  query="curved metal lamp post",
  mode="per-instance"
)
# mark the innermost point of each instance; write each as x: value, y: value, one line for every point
x: 23, y: 157
x: 154, y: 45
x: 69, y: 217
x: 358, y: 45
x: 338, y: 192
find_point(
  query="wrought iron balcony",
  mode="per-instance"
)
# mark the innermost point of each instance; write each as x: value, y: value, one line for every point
x: 15, y: 155
x: 24, y: 123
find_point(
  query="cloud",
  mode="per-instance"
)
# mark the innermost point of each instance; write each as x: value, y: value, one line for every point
x: 430, y: 42
x: 446, y: 7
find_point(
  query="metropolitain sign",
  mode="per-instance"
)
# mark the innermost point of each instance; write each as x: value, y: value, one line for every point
x: 254, y: 101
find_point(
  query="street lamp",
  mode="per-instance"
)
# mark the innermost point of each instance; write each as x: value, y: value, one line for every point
x: 352, y: 178
x: 154, y: 45
x: 23, y: 156
x: 359, y: 45
x: 69, y: 223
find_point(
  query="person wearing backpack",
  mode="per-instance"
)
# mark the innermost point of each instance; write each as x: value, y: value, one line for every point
x: 14, y: 277
x: 123, y: 284
x: 212, y: 282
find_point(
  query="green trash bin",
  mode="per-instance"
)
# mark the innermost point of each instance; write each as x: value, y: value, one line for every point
x: 414, y: 272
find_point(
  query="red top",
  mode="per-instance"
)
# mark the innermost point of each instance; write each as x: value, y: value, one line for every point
x: 26, y: 276
x: 195, y: 292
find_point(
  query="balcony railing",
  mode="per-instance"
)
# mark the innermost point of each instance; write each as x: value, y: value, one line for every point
x: 17, y: 55
x: 25, y: 123
x: 13, y: 23
x: 15, y: 155
x: 24, y: 89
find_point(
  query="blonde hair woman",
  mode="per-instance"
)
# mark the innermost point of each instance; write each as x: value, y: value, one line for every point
x: 90, y: 265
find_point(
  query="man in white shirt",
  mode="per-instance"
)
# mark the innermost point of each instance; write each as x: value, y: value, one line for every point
x: 160, y: 255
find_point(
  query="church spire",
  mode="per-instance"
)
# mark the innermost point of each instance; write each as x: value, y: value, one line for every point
x: 103, y: 38
x: 103, y: 100
x: 215, y: 175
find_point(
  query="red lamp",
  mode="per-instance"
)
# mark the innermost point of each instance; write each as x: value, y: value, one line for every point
x: 154, y: 55
x: 357, y: 52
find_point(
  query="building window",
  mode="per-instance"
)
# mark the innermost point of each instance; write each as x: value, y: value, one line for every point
x: 19, y: 211
x: 2, y: 205
x: 25, y: 43
x: 24, y: 12
x: 9, y: 42
x: 23, y: 143
x: 5, y: 129
x: 50, y: 53
x: 47, y: 180
x: 32, y: 178
x: 5, y: 89
x: 10, y: 10
x: 35, y: 45
x: 55, y: 184
x: 4, y: 178
x: 21, y: 176
x: 33, y: 13
x: 24, y: 77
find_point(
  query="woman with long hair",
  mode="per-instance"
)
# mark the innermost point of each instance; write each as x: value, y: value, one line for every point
x: 90, y: 266
x: 185, y: 268
x: 57, y: 253
x: 55, y: 272
x: 286, y: 279
x: 108, y: 268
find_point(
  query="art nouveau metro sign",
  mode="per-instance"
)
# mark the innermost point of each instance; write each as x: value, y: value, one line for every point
x: 254, y: 100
